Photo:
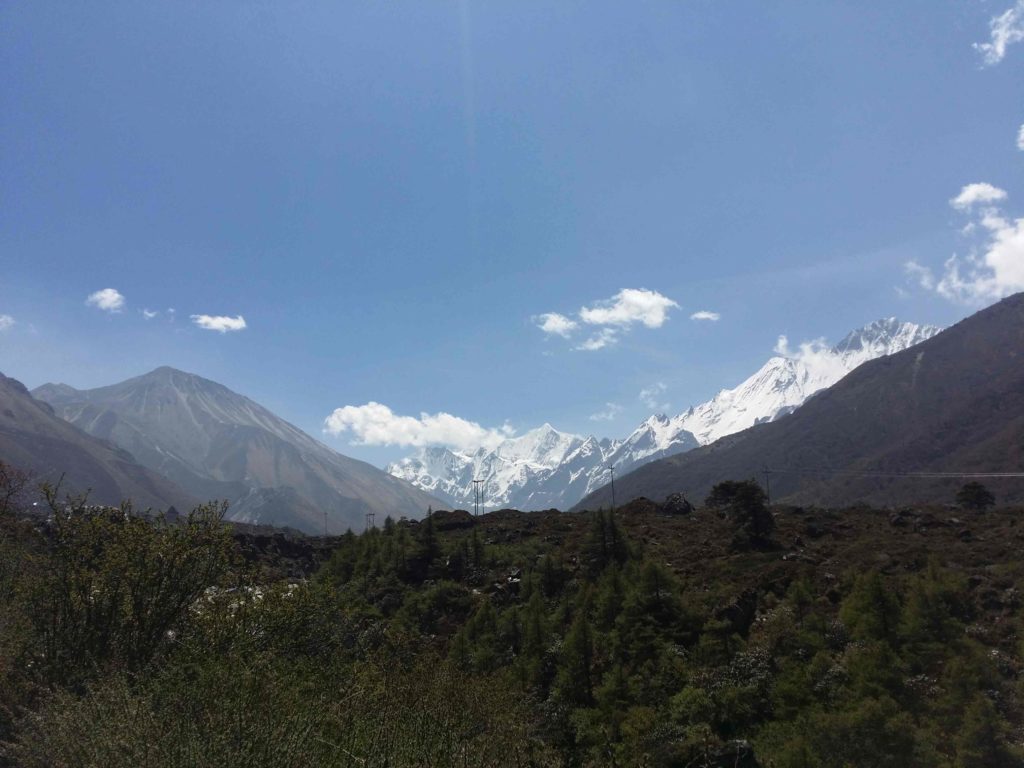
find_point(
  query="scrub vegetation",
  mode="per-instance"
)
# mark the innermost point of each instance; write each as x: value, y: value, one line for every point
x: 731, y: 635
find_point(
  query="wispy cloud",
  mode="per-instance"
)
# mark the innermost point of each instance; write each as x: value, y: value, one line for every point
x: 1004, y: 30
x: 6, y: 323
x: 611, y: 410
x: 556, y: 324
x: 149, y: 314
x: 706, y: 315
x: 603, y: 338
x: 1020, y: 138
x: 107, y: 299
x: 651, y: 396
x: 994, y: 264
x: 921, y: 274
x: 376, y: 424
x: 219, y: 323
x: 805, y: 350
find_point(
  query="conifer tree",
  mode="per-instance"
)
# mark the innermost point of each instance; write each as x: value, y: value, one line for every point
x: 975, y: 496
x: 573, y: 680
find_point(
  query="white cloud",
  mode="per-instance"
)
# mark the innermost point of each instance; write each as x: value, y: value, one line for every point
x: 603, y: 338
x: 6, y: 323
x: 1005, y: 29
x: 706, y: 315
x: 971, y: 194
x: 804, y: 349
x: 920, y: 274
x: 991, y: 271
x: 107, y: 299
x: 611, y: 410
x: 629, y: 306
x: 1020, y: 139
x: 149, y: 314
x: 650, y: 396
x: 994, y: 265
x: 376, y: 424
x: 219, y: 323
x: 554, y: 323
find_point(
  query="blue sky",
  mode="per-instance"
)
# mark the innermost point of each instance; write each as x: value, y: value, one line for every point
x: 394, y: 195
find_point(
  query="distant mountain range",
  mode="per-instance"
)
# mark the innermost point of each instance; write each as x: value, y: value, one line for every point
x: 953, y: 403
x: 541, y: 469
x: 34, y: 438
x: 546, y: 468
x: 217, y: 444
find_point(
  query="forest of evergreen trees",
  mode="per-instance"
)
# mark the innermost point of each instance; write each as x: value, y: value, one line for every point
x: 126, y: 641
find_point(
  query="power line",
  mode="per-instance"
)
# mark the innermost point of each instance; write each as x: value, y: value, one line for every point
x: 882, y: 473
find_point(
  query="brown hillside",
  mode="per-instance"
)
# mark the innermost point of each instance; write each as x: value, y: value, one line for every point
x: 954, y: 403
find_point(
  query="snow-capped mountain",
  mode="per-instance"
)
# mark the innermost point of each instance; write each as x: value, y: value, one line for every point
x: 788, y: 379
x: 546, y: 468
x: 541, y: 469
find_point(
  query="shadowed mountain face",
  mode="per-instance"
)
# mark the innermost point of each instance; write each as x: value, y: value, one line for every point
x: 32, y: 437
x: 953, y: 403
x: 219, y: 444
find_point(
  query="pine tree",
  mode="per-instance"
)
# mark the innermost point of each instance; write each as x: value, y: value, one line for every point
x: 871, y: 611
x: 573, y: 680
x: 743, y: 502
x: 975, y: 496
x: 981, y: 741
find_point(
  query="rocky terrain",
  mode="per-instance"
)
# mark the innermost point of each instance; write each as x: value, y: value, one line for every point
x: 34, y: 439
x: 218, y: 444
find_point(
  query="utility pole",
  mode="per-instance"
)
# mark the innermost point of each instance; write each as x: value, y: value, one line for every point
x: 767, y: 485
x: 477, y: 494
x: 611, y: 468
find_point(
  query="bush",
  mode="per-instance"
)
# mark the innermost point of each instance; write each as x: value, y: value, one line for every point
x: 118, y: 585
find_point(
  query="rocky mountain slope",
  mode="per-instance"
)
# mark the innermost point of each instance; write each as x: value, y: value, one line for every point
x: 33, y: 438
x: 952, y: 404
x: 546, y: 468
x: 218, y: 444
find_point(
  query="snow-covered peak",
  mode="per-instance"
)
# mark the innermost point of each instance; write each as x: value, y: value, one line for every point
x: 884, y: 337
x: 546, y: 468
x: 544, y: 446
x: 784, y: 382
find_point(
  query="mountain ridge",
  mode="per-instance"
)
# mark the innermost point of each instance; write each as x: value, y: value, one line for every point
x: 954, y: 402
x: 34, y: 438
x: 219, y: 443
